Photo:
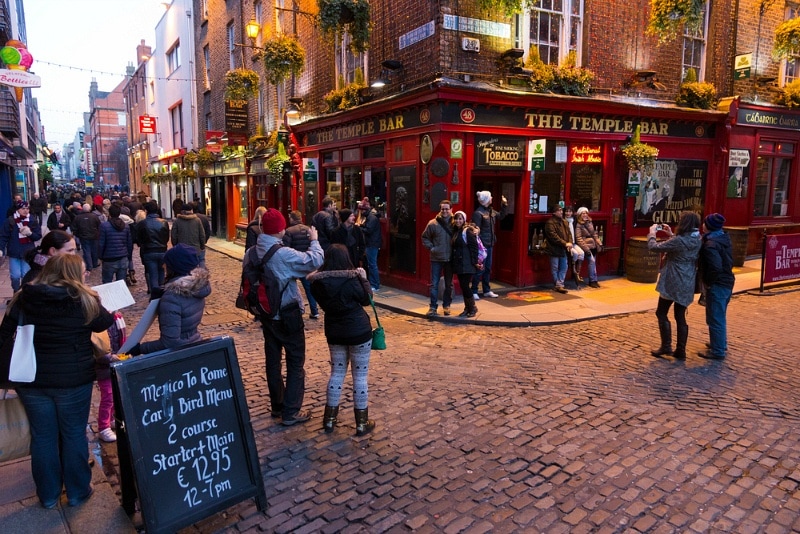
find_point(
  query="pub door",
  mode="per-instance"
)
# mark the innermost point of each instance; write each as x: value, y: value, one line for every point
x: 219, y: 208
x: 510, y: 239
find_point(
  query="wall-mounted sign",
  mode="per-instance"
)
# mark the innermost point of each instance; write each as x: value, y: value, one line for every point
x: 536, y: 154
x: 236, y: 116
x: 470, y: 44
x: 586, y: 154
x: 417, y: 34
x: 495, y: 152
x: 456, y: 148
x: 741, y: 69
x: 425, y: 149
x: 147, y: 124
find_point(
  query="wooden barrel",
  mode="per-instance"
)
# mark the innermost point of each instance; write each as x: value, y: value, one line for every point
x: 739, y: 236
x: 641, y: 265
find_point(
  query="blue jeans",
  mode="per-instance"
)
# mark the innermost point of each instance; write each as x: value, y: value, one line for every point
x: 17, y: 268
x: 59, y: 449
x: 558, y: 268
x: 153, y: 269
x: 484, y: 275
x: 717, y: 298
x: 312, y: 303
x: 117, y: 267
x: 592, y: 259
x: 89, y: 250
x: 371, y: 254
x: 439, y: 268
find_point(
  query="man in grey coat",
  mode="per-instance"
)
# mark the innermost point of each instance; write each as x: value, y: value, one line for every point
x: 437, y: 238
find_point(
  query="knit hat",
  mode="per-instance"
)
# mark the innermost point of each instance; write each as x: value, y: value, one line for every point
x: 364, y: 204
x: 582, y: 209
x: 714, y: 222
x: 272, y: 222
x: 22, y: 205
x: 181, y: 259
x: 345, y: 214
x: 484, y: 197
x: 456, y: 214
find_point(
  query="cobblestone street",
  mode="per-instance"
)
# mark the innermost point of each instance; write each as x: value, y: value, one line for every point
x: 571, y: 428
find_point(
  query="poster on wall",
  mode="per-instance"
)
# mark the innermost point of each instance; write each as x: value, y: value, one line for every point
x: 402, y: 218
x: 739, y: 173
x: 670, y: 187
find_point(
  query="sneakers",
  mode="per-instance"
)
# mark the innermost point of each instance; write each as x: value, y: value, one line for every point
x: 446, y: 310
x: 491, y: 294
x: 476, y: 296
x: 314, y: 316
x: 108, y: 435
x: 431, y: 312
x: 300, y: 417
x: 375, y: 289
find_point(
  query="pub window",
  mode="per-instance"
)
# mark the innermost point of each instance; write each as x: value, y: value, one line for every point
x: 373, y: 151
x: 375, y: 188
x: 585, y: 176
x: 351, y: 184
x: 333, y: 184
x: 694, y: 47
x: 546, y: 186
x: 350, y: 67
x: 554, y: 27
x: 351, y: 154
x: 773, y: 170
x: 330, y: 157
x: 790, y: 68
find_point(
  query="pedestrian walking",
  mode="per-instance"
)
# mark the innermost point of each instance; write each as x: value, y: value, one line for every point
x: 465, y: 259
x: 152, y: 236
x: 676, y: 280
x: 58, y: 220
x: 18, y: 235
x: 438, y: 239
x: 343, y: 290
x: 86, y: 227
x: 716, y: 271
x: 373, y: 241
x: 38, y: 206
x: 187, y: 228
x: 115, y: 247
x: 285, y: 332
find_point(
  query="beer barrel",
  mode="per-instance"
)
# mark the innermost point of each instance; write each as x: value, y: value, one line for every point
x: 641, y: 265
x: 739, y: 237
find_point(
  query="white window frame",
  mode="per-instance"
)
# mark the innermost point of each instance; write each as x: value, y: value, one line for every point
x: 566, y: 19
x: 231, y: 35
x: 347, y: 62
x: 176, y: 123
x: 789, y: 70
x: 174, y: 58
x: 690, y: 38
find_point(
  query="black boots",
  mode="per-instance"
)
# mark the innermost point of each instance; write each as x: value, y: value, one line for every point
x: 329, y: 418
x: 576, y: 271
x: 363, y: 424
x: 680, y: 344
x: 665, y: 329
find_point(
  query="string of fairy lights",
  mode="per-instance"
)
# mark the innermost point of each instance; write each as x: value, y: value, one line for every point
x: 106, y: 73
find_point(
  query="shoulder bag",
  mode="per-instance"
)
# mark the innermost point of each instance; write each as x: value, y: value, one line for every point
x: 15, y: 431
x: 23, y: 358
x: 378, y: 335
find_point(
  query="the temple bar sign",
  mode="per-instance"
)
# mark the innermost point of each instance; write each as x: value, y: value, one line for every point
x: 493, y: 152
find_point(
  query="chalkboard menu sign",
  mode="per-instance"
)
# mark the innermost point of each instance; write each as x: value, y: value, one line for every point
x: 185, y: 434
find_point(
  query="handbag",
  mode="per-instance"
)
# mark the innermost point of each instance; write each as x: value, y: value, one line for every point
x: 378, y: 335
x: 15, y: 431
x: 23, y: 358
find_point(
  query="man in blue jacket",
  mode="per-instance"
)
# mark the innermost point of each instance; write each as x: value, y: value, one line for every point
x: 716, y: 270
x: 116, y: 244
x: 18, y: 235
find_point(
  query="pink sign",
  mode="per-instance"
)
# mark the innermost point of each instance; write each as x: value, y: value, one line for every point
x: 782, y: 258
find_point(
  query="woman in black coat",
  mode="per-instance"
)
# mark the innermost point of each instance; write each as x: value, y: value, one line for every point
x: 64, y: 312
x: 343, y: 290
x: 465, y: 259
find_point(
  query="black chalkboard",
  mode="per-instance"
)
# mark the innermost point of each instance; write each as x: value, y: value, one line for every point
x: 184, y: 433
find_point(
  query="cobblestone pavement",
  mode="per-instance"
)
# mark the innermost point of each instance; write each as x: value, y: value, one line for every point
x: 571, y: 428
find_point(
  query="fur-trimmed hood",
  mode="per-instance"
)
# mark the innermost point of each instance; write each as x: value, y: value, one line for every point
x: 350, y: 273
x: 195, y: 284
x: 187, y: 216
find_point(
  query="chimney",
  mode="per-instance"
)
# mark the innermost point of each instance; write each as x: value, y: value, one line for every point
x: 143, y: 53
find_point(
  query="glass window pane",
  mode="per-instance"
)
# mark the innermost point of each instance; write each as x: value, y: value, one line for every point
x: 375, y: 188
x: 585, y: 183
x: 333, y: 185
x: 351, y: 183
x: 780, y: 198
x: 761, y: 207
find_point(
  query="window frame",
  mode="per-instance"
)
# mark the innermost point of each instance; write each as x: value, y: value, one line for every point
x: 789, y: 70
x: 176, y: 125
x: 524, y: 25
x: 690, y: 38
x: 230, y: 33
x: 346, y: 63
x: 174, y: 58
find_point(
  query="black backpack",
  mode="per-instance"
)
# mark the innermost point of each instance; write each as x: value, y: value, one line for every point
x: 260, y: 292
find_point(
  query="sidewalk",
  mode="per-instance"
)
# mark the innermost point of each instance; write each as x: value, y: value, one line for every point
x: 539, y: 305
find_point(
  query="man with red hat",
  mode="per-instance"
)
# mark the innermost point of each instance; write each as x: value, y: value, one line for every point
x: 285, y: 331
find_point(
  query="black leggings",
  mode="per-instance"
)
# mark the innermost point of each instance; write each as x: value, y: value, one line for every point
x: 663, y: 309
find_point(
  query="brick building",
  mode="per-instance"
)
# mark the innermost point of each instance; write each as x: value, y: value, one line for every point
x: 107, y: 137
x: 458, y: 115
x: 135, y: 92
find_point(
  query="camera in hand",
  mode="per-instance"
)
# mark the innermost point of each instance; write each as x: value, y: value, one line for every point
x: 659, y: 227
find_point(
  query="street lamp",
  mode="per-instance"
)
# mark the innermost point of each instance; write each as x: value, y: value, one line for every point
x: 251, y: 29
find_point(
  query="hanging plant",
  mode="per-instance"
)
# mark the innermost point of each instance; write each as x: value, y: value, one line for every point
x: 187, y: 174
x: 149, y: 178
x: 276, y: 162
x: 790, y: 97
x: 787, y: 39
x: 351, y: 16
x: 241, y: 84
x: 541, y: 78
x: 569, y: 79
x: 205, y: 157
x: 283, y: 56
x: 694, y: 94
x: 190, y: 158
x: 345, y: 98
x: 668, y: 16
x: 639, y: 155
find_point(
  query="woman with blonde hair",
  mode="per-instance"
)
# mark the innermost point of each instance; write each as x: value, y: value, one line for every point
x: 254, y: 228
x: 64, y: 312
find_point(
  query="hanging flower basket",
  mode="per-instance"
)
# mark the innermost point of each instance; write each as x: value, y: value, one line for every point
x: 790, y: 97
x: 241, y: 84
x: 787, y: 39
x: 351, y: 16
x: 190, y: 158
x: 639, y: 156
x: 276, y: 162
x: 283, y: 56
x: 668, y: 16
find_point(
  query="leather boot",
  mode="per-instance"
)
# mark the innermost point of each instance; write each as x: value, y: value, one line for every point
x: 363, y: 424
x: 329, y: 418
x: 665, y: 329
x: 576, y: 270
x: 132, y: 275
x: 680, y: 344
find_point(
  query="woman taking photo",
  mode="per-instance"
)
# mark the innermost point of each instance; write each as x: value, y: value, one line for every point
x: 343, y: 291
x: 676, y: 280
x: 465, y: 260
x: 64, y: 312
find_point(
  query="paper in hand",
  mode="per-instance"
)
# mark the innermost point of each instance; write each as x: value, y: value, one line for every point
x: 115, y: 295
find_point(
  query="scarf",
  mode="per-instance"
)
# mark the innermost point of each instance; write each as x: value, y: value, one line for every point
x: 22, y: 222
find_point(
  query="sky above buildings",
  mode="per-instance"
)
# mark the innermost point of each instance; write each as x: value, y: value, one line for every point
x: 72, y: 43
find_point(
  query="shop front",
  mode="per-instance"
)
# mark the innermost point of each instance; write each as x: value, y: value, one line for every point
x: 225, y: 191
x: 536, y: 151
x: 760, y: 190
